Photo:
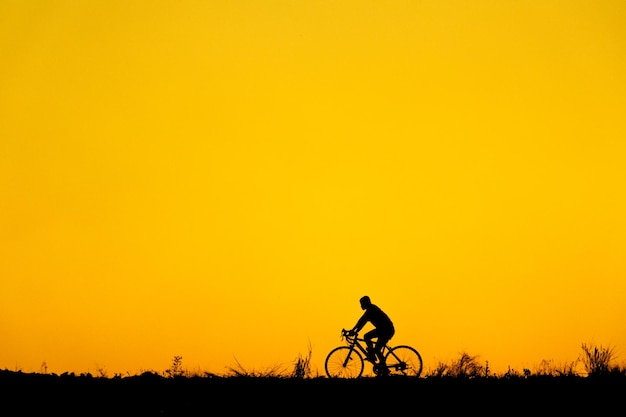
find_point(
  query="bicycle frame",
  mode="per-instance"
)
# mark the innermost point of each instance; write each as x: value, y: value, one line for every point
x: 356, y: 342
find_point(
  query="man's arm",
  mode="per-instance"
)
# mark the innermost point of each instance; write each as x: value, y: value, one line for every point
x: 360, y: 323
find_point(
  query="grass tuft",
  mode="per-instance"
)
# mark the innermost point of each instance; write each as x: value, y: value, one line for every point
x: 597, y: 359
x: 302, y: 366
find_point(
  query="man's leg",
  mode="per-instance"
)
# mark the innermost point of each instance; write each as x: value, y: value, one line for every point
x: 371, y: 349
x: 380, y: 344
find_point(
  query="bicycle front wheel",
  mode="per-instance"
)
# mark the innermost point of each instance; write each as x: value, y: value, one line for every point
x: 404, y: 360
x: 344, y: 362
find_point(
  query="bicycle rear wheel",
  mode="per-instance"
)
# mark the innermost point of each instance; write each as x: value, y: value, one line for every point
x: 404, y: 360
x: 344, y: 362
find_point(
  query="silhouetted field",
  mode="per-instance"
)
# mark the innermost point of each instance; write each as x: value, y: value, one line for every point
x: 153, y: 395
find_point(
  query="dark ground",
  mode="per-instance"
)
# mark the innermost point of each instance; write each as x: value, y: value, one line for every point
x: 153, y: 395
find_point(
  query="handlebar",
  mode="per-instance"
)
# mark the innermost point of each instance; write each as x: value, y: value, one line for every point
x: 349, y: 335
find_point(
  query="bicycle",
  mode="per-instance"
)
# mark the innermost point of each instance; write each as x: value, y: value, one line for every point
x: 347, y: 361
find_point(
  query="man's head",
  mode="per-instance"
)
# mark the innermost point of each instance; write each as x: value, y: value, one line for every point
x: 365, y: 302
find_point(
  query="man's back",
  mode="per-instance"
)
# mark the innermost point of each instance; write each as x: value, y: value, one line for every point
x: 377, y: 317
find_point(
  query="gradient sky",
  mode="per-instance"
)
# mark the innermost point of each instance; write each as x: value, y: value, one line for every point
x: 223, y: 180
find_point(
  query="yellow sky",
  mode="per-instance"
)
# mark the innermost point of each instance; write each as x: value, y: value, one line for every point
x: 223, y: 181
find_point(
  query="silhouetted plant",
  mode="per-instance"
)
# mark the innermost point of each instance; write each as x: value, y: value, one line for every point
x: 302, y: 367
x: 545, y: 368
x: 597, y: 359
x: 568, y: 368
x: 466, y: 366
x: 102, y: 372
x: 439, y: 371
x: 512, y: 373
x: 241, y: 371
x: 176, y: 368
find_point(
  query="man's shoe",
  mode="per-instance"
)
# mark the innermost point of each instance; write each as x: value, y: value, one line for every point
x: 381, y: 370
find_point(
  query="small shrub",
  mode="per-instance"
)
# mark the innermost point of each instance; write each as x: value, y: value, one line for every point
x: 302, y: 366
x: 466, y: 366
x: 176, y: 368
x: 597, y: 359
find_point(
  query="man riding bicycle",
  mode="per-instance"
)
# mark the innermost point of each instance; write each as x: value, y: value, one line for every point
x: 383, y: 329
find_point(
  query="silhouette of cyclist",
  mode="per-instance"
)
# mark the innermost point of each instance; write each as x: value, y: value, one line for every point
x: 383, y: 329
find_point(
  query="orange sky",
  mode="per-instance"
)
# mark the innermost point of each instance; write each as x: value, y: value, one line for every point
x: 223, y: 181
